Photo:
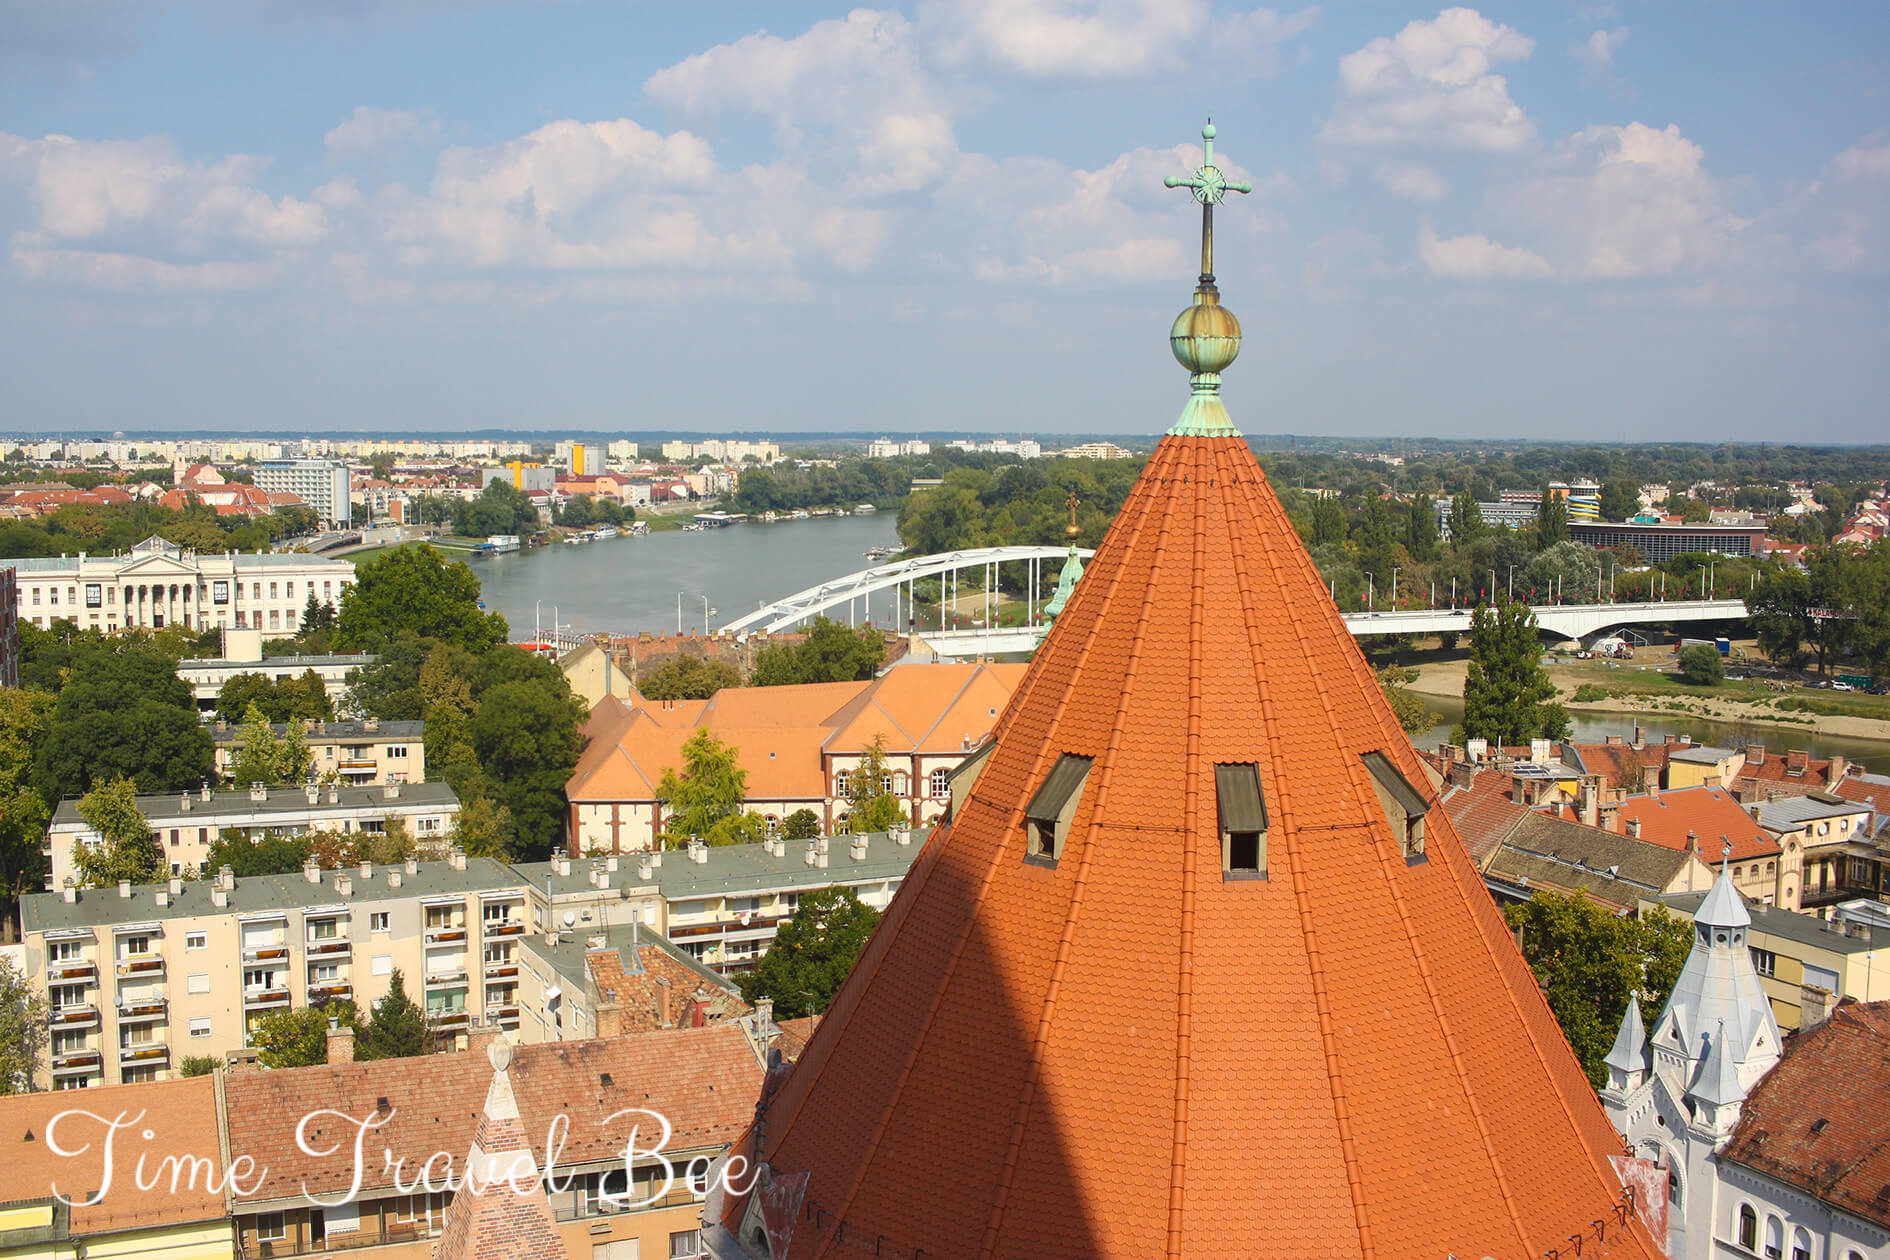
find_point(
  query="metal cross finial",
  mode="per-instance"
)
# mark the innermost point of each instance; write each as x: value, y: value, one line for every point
x: 1072, y: 501
x: 1209, y: 187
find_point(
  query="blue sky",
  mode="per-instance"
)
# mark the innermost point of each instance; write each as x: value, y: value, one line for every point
x: 1597, y: 221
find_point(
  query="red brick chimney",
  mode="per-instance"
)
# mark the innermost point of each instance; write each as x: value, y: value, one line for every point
x: 340, y: 1042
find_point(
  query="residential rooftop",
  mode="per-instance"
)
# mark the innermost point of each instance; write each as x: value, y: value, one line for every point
x: 742, y: 869
x: 356, y: 728
x: 1805, y: 929
x: 1788, y: 813
x: 205, y: 809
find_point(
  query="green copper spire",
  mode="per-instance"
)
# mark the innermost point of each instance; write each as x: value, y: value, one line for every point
x: 1206, y: 336
x: 1072, y: 569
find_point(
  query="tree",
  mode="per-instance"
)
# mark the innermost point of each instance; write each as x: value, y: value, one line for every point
x: 1551, y: 520
x: 299, y: 1037
x: 23, y: 814
x: 271, y: 855
x: 688, y: 678
x: 946, y: 518
x: 260, y: 756
x: 1466, y: 520
x: 1620, y: 500
x: 397, y: 1028
x: 706, y: 800
x: 1696, y: 512
x: 1421, y: 533
x: 830, y: 653
x: 198, y: 1065
x: 1507, y: 698
x: 22, y: 1030
x: 527, y: 739
x: 1408, y: 708
x: 483, y: 828
x: 1589, y: 961
x: 127, y: 848
x: 1701, y: 665
x: 393, y: 844
x: 1328, y: 520
x: 317, y: 615
x: 802, y: 824
x: 812, y: 953
x: 872, y: 806
x: 1567, y: 569
x: 415, y: 589
x: 123, y: 712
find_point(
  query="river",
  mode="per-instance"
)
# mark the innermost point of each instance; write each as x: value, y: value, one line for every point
x: 630, y: 584
x: 1594, y: 728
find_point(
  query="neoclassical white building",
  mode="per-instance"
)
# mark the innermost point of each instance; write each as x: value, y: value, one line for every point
x: 1748, y: 1128
x: 157, y: 584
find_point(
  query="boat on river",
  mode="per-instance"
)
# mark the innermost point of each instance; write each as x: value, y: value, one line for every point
x: 496, y: 545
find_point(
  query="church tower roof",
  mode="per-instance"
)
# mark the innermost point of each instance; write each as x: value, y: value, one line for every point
x: 1629, y: 1052
x: 501, y: 1212
x: 1197, y: 964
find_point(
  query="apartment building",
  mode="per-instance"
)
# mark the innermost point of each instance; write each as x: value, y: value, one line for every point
x: 138, y: 977
x: 320, y: 483
x: 243, y: 654
x: 719, y: 905
x: 603, y: 983
x: 157, y: 584
x: 188, y: 823
x: 1828, y: 838
x: 363, y: 753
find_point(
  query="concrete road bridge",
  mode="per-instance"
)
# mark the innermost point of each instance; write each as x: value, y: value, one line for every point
x: 974, y: 602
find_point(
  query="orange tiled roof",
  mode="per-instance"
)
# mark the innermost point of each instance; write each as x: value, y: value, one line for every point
x: 1483, y: 813
x: 1616, y: 764
x: 179, y: 1115
x: 1801, y: 1124
x: 1713, y: 815
x: 1124, y: 1055
x: 783, y: 732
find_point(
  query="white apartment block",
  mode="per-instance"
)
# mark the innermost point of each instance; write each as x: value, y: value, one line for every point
x: 886, y: 448
x: 157, y: 584
x: 1096, y: 450
x: 188, y: 823
x: 320, y: 483
x: 621, y: 452
x: 366, y: 752
x: 137, y: 978
x: 731, y: 451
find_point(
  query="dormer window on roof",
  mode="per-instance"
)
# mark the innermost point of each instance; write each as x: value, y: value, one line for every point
x: 1047, y: 818
x: 1404, y: 806
x: 1243, y: 815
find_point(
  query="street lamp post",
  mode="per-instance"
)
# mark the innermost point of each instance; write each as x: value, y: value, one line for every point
x: 1510, y: 591
x: 679, y: 596
x: 1394, y: 588
x: 1370, y: 591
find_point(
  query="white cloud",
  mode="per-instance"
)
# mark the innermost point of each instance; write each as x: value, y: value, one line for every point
x: 1068, y: 38
x: 1840, y: 216
x: 128, y: 273
x: 1477, y: 258
x: 1407, y: 179
x: 368, y: 129
x: 1614, y: 202
x: 1595, y: 54
x: 1433, y: 86
x: 1857, y: 162
x: 1252, y: 41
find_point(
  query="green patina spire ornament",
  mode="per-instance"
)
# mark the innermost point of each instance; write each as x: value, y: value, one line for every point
x: 1072, y: 568
x: 1206, y: 336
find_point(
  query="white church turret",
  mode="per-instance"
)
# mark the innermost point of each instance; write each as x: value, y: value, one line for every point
x: 1627, y: 1059
x: 1716, y: 1093
x: 1718, y: 985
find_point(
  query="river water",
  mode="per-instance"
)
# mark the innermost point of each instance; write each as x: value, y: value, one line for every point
x: 630, y: 584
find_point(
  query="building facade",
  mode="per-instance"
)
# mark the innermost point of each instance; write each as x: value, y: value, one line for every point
x: 243, y: 654
x: 1663, y: 540
x: 320, y: 483
x: 362, y: 753
x: 158, y: 583
x: 188, y: 823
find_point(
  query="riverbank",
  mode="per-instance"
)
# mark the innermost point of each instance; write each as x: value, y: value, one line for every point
x: 1665, y: 697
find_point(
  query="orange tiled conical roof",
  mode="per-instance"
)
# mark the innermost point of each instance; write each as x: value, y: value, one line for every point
x: 1122, y: 1053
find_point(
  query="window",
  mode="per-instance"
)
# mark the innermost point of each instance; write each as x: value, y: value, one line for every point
x: 199, y: 982
x: 271, y: 1227
x: 1764, y: 961
x: 396, y: 752
x: 64, y: 995
x: 1823, y: 977
x: 1774, y: 1238
x: 377, y: 920
x: 259, y: 978
x: 1404, y: 805
x: 196, y: 940
x: 200, y: 1026
x: 842, y: 782
x: 1748, y: 1227
x: 439, y: 917
x: 498, y: 953
x: 322, y: 973
x: 941, y: 784
x: 1047, y: 818
x: 131, y: 946
x: 323, y: 929
x: 67, y: 1040
x: 1243, y: 815
x: 686, y: 1245
x: 63, y: 951
x: 494, y: 912
x: 1801, y: 1244
x: 383, y: 964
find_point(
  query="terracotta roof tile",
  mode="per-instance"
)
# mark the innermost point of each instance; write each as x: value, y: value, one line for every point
x: 1713, y: 815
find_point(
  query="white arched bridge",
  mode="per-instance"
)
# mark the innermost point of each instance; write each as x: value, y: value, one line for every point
x: 974, y: 605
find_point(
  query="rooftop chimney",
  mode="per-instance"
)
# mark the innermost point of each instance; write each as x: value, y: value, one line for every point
x: 259, y: 791
x: 456, y: 857
x: 226, y: 878
x: 205, y: 793
x: 1815, y: 1005
x: 313, y: 792
x: 370, y: 723
x: 1755, y: 754
x: 344, y: 886
x: 340, y: 1042
x: 610, y: 862
x: 662, y: 993
x: 411, y: 864
x: 857, y: 849
x: 390, y: 791
x: 163, y: 897
x: 312, y: 871
x: 367, y: 871
x: 1839, y: 768
x: 69, y: 892
x: 334, y: 794
x: 183, y: 803
x: 1640, y: 735
x: 1634, y: 828
x: 393, y: 879
x: 644, y: 869
x: 218, y: 897
x: 1797, y: 761
x: 176, y: 884
x: 124, y: 888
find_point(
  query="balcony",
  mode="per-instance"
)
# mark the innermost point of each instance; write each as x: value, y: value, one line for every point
x: 73, y: 971
x: 329, y: 991
x: 133, y: 965
x: 358, y: 765
x: 274, y: 995
x: 143, y: 1054
x: 141, y: 1011
x: 85, y: 1016
x: 501, y: 970
x: 505, y: 927
x: 504, y: 1016
x: 266, y: 953
x: 329, y: 947
x: 456, y: 975
x: 77, y: 1062
x: 446, y: 934
x: 754, y: 923
x: 449, y: 1021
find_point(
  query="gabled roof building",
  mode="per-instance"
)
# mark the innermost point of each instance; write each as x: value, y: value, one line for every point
x: 1196, y: 966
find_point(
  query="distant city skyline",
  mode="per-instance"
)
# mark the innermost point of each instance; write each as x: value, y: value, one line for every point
x: 1600, y: 222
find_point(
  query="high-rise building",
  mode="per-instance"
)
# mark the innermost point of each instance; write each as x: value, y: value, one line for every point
x: 573, y: 457
x: 1197, y: 965
x: 320, y: 483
